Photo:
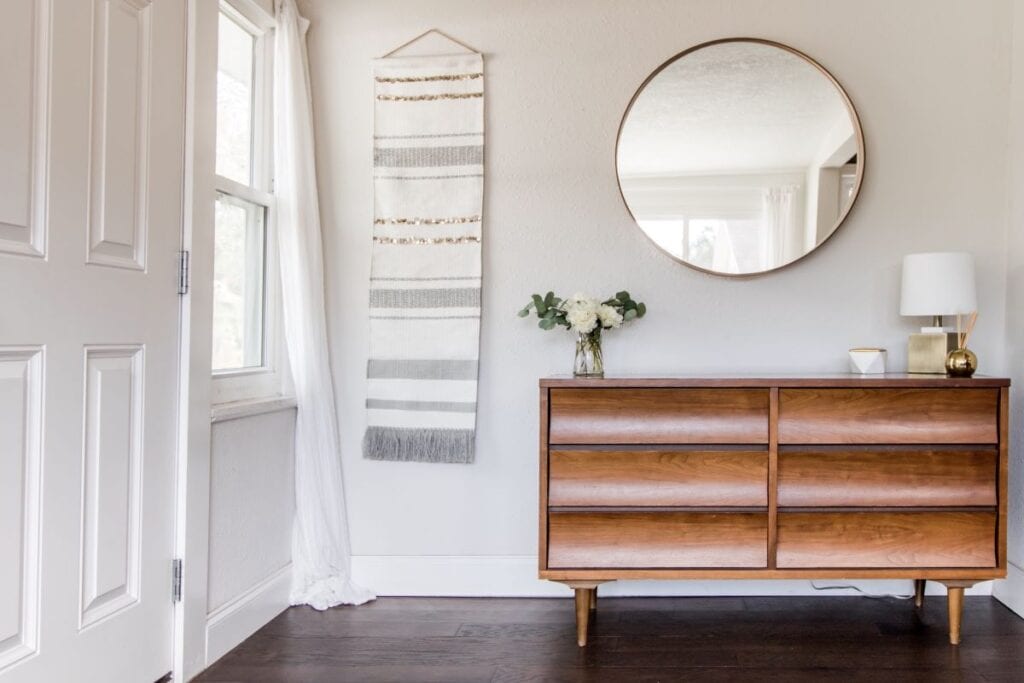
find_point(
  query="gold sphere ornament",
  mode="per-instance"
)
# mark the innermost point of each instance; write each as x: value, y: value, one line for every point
x: 961, y: 363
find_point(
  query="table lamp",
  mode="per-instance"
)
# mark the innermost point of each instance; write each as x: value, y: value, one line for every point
x: 936, y: 284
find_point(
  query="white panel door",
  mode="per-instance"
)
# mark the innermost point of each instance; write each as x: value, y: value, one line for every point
x: 91, y: 140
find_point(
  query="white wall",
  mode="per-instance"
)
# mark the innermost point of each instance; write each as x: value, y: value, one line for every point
x: 1012, y: 591
x: 252, y: 503
x: 928, y: 80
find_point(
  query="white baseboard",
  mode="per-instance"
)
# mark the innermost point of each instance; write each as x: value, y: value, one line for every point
x: 516, y: 576
x: 233, y: 622
x: 1010, y: 591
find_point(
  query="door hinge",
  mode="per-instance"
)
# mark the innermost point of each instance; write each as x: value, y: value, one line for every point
x: 176, y: 580
x: 183, y: 271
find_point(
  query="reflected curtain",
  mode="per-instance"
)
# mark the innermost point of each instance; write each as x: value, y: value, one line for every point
x: 321, y: 558
x: 781, y: 224
x: 724, y: 257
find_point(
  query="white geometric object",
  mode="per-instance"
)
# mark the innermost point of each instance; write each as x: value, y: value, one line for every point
x: 867, y: 361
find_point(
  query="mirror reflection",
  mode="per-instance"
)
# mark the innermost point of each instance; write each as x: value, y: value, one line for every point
x: 739, y: 157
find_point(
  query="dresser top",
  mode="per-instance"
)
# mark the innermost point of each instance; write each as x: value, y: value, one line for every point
x: 838, y: 380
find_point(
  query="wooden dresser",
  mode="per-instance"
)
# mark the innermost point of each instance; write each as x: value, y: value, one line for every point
x: 841, y: 477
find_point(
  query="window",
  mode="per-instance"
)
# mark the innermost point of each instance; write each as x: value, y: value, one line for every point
x: 722, y: 244
x: 247, y: 358
x: 239, y: 263
x: 236, y: 58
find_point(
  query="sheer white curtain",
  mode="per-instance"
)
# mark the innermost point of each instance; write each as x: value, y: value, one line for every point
x: 782, y: 226
x: 724, y: 258
x: 321, y: 558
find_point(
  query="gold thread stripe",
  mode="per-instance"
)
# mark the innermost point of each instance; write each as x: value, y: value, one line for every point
x: 426, y: 221
x: 465, y: 239
x: 422, y: 98
x: 421, y: 79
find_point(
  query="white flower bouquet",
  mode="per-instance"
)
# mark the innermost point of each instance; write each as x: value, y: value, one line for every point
x: 587, y: 317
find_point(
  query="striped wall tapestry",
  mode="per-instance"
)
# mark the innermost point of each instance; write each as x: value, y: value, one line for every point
x: 425, y: 269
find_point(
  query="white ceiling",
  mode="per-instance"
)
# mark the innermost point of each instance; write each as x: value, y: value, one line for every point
x: 731, y: 107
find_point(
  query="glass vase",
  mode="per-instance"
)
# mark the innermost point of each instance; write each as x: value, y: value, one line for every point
x: 589, y: 361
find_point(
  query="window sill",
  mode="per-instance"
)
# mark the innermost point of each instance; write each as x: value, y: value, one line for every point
x: 223, y: 412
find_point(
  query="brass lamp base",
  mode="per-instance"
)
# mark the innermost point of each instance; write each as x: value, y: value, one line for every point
x: 926, y: 353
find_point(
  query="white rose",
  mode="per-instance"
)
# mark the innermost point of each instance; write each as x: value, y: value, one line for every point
x: 582, y: 320
x: 578, y: 301
x: 610, y: 318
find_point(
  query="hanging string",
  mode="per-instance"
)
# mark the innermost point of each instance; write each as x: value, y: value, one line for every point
x: 427, y: 33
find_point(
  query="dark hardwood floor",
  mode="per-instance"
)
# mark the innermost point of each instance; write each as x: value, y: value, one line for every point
x: 639, y: 640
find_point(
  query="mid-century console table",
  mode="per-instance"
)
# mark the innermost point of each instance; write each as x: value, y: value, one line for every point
x: 843, y: 477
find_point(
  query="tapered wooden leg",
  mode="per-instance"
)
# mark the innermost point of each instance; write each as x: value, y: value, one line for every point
x: 955, y: 597
x: 583, y: 598
x: 919, y: 592
x: 956, y: 611
x: 586, y: 601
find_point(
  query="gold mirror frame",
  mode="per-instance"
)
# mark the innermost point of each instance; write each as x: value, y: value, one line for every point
x: 855, y: 119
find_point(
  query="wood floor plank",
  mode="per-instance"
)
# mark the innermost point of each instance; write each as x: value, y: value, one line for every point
x: 637, y: 640
x: 320, y: 673
x: 730, y: 675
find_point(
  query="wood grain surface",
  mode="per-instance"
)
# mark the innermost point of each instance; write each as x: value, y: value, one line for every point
x: 888, y: 416
x: 888, y: 478
x: 887, y: 539
x: 891, y: 477
x: 658, y: 416
x: 794, y: 639
x: 657, y: 539
x: 658, y: 477
x: 893, y: 380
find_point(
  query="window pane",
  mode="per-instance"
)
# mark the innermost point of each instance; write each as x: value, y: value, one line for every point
x: 234, y: 101
x: 238, y: 275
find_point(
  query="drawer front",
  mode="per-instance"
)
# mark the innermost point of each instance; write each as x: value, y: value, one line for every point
x: 892, y: 416
x: 658, y: 540
x: 658, y: 416
x: 658, y: 477
x: 887, y: 478
x: 867, y: 540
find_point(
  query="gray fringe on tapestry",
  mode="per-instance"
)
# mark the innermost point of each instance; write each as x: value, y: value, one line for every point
x: 422, y: 445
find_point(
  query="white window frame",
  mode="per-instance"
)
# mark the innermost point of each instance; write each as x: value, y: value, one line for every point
x: 270, y: 380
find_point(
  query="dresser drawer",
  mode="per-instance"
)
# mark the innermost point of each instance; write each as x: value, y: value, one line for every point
x: 886, y: 539
x: 888, y: 416
x: 658, y: 416
x: 887, y: 478
x: 638, y: 540
x: 658, y: 477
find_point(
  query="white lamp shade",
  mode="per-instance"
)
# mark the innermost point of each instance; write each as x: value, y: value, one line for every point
x: 938, y: 283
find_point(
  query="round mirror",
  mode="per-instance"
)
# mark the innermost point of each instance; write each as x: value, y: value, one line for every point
x: 740, y: 156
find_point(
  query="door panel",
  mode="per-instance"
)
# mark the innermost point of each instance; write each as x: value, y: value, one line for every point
x: 90, y: 224
x: 119, y: 162
x: 20, y: 440
x: 113, y: 466
x: 23, y: 79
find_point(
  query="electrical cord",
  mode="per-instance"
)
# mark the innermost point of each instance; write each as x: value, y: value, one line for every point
x: 873, y: 596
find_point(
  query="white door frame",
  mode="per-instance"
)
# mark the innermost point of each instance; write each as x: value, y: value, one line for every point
x: 193, y: 490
